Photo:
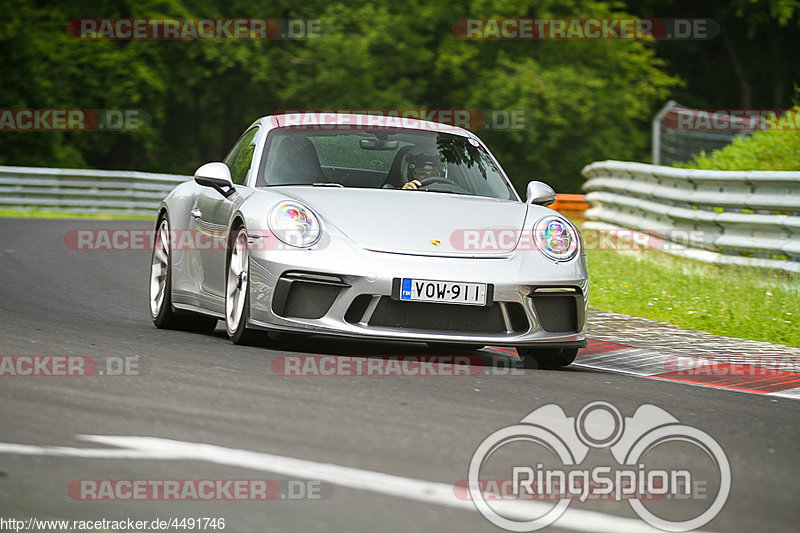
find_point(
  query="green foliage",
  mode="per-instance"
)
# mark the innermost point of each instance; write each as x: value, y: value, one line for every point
x: 750, y: 64
x: 782, y: 11
x: 773, y: 149
x: 697, y: 296
x: 582, y: 100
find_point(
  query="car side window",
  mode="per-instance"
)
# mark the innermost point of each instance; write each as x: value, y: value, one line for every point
x: 241, y: 156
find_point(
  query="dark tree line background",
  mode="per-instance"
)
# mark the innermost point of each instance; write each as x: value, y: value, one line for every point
x: 583, y: 100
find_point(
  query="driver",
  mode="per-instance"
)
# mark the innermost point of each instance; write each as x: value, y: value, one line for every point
x: 421, y: 167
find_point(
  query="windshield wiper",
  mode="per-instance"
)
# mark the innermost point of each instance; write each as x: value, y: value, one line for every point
x: 446, y: 192
x: 303, y: 185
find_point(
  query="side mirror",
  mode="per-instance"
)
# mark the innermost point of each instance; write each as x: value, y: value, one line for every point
x: 217, y: 176
x: 540, y: 193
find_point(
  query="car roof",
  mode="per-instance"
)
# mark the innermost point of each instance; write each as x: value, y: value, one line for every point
x: 355, y: 121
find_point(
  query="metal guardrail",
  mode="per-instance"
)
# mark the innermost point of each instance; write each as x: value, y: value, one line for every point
x: 734, y: 217
x: 747, y: 218
x: 84, y: 191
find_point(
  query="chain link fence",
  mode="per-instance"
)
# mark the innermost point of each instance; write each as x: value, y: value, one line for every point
x: 675, y: 143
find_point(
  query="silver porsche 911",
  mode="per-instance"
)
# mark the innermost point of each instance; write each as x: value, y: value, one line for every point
x: 371, y: 227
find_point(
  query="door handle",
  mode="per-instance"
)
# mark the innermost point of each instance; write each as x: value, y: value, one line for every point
x: 196, y: 213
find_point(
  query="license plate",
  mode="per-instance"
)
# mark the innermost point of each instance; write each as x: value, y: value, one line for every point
x: 448, y: 292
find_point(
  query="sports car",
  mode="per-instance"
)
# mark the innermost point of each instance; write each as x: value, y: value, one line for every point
x: 372, y: 227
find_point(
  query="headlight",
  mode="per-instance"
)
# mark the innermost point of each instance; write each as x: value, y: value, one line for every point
x: 294, y: 224
x: 556, y: 238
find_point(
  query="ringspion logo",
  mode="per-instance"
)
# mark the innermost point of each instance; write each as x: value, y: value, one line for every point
x: 542, y: 457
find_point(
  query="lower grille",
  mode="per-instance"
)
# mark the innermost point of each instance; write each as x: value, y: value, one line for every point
x: 518, y: 318
x: 303, y: 299
x: 357, y: 309
x: 450, y: 318
x: 556, y: 312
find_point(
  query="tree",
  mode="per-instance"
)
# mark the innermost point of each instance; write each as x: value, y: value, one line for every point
x: 582, y: 100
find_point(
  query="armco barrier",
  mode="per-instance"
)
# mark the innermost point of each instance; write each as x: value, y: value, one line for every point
x: 739, y: 217
x: 122, y: 192
x: 84, y: 191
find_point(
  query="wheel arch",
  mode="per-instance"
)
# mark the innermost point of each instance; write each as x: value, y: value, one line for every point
x: 237, y: 223
x: 161, y: 214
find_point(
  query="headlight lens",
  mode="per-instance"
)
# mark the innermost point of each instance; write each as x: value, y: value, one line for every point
x: 294, y: 224
x: 556, y: 238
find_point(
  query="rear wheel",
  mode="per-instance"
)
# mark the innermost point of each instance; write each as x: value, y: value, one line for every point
x: 547, y: 357
x: 161, y: 311
x: 237, y: 293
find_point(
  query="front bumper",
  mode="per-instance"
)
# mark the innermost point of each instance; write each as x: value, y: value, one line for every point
x: 340, y: 289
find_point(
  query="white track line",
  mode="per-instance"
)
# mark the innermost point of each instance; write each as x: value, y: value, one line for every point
x: 428, y: 492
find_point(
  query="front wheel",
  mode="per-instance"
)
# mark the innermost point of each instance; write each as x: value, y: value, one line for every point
x: 237, y: 293
x: 161, y: 311
x: 547, y: 357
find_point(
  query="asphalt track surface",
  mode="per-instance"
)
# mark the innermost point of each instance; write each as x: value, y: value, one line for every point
x: 202, y: 389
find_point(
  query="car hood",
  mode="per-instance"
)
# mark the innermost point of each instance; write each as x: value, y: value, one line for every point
x: 418, y: 222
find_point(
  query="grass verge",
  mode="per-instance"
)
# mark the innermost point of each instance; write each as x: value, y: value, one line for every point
x: 14, y: 213
x: 741, y: 302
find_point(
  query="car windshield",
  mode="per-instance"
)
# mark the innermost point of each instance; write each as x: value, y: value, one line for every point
x: 378, y: 159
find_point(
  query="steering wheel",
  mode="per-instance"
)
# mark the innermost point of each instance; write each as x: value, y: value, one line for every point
x: 430, y: 181
x: 449, y: 185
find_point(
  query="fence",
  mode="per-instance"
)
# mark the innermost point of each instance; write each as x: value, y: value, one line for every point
x: 84, y: 191
x: 673, y: 145
x: 740, y: 217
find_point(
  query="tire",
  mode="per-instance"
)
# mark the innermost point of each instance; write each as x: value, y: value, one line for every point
x: 237, y: 293
x: 547, y: 357
x: 451, y: 347
x: 160, y: 294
